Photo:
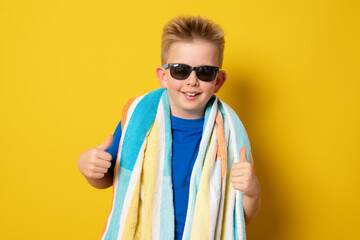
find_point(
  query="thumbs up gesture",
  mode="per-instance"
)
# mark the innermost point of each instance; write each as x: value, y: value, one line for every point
x: 243, y: 176
x: 95, y: 162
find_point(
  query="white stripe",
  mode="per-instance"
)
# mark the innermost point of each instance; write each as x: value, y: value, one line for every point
x: 221, y: 210
x: 240, y: 229
x: 117, y: 163
x: 229, y: 216
x: 213, y: 201
x: 159, y: 175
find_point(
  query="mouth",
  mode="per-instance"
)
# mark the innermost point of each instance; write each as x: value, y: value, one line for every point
x: 191, y: 94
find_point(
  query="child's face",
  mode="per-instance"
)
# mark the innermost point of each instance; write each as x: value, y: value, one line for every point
x: 182, y: 102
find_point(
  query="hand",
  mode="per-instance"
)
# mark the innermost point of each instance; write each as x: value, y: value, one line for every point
x: 95, y: 162
x: 243, y: 176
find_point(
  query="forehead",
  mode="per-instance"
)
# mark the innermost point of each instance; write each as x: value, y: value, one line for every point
x: 194, y: 53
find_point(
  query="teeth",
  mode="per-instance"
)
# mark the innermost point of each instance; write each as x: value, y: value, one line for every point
x: 190, y: 94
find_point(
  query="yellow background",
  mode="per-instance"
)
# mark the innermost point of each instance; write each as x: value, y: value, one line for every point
x: 67, y: 68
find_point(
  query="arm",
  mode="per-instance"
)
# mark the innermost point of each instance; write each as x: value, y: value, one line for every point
x: 94, y: 164
x: 251, y: 207
x: 244, y: 179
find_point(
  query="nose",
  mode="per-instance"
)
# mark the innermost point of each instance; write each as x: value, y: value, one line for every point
x: 192, y: 80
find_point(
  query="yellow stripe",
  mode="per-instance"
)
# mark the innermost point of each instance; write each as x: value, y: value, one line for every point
x: 149, y: 178
x: 200, y: 228
x: 133, y: 222
x: 138, y: 232
x: 228, y: 189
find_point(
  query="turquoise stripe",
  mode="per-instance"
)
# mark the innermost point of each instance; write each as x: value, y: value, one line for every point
x: 139, y: 124
x: 113, y: 228
x: 234, y: 236
x: 168, y: 136
x: 215, y: 179
x: 167, y: 218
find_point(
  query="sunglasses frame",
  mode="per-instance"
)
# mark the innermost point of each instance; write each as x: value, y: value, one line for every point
x: 170, y: 65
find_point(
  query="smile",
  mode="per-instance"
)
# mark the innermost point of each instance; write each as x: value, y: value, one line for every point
x: 191, y: 94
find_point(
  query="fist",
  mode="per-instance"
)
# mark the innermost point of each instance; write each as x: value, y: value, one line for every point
x: 95, y: 162
x: 243, y: 176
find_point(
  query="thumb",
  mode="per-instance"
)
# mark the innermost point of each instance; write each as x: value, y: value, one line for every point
x: 243, y: 155
x: 104, y: 146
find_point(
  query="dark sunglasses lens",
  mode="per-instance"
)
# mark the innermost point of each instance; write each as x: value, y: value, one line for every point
x: 180, y: 71
x: 206, y: 73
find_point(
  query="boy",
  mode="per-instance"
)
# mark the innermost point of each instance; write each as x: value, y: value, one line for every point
x: 192, y: 55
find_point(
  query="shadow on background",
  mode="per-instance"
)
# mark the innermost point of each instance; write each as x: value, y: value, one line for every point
x: 253, y: 105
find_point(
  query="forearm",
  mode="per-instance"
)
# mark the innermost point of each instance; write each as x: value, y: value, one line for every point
x: 101, y: 183
x: 251, y: 206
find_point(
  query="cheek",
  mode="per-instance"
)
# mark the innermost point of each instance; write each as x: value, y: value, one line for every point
x: 173, y: 84
x: 208, y: 87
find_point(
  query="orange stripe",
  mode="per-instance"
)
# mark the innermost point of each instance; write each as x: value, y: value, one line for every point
x: 124, y: 112
x: 221, y: 145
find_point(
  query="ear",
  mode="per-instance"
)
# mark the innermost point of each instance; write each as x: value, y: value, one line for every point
x: 161, y: 76
x: 220, y: 80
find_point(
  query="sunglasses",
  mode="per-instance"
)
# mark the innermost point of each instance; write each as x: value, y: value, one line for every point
x: 182, y: 71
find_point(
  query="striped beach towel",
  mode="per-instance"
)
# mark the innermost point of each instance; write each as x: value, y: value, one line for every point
x: 142, y: 206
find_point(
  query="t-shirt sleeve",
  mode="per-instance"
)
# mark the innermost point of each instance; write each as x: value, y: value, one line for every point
x: 113, y: 149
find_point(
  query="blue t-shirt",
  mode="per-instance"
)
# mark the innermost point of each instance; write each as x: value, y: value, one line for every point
x: 186, y: 136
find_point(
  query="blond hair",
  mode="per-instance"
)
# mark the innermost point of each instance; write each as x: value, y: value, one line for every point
x: 190, y: 28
